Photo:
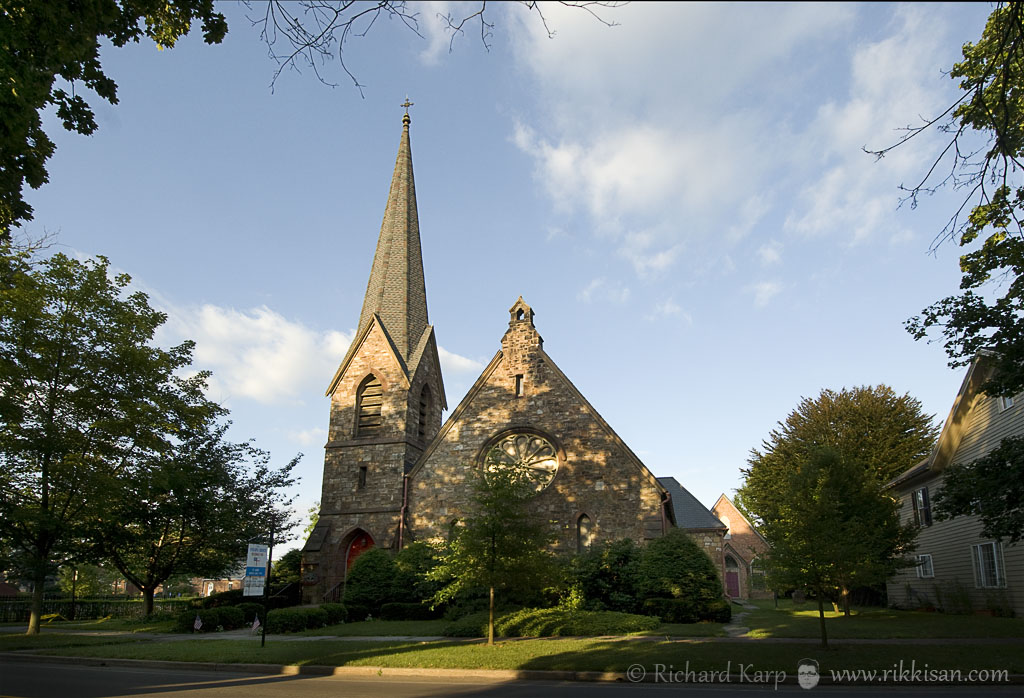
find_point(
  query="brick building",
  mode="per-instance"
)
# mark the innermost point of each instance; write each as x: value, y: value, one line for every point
x: 393, y: 473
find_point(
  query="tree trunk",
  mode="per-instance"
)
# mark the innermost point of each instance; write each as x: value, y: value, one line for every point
x: 490, y: 621
x: 147, y: 601
x: 38, y: 585
x: 845, y: 594
x: 821, y: 617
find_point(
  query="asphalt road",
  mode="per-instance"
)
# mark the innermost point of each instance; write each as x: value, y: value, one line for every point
x: 44, y: 680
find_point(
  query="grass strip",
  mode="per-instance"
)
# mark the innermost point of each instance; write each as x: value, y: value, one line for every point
x: 876, y: 623
x: 11, y: 643
x: 567, y: 654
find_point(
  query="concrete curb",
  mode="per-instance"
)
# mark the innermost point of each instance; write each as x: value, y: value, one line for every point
x: 496, y: 675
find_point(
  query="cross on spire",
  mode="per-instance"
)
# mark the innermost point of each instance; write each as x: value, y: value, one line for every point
x: 406, y: 104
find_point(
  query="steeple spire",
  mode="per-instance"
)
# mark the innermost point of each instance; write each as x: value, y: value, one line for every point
x: 396, y: 292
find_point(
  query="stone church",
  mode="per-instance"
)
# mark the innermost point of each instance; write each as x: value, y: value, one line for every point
x: 393, y: 473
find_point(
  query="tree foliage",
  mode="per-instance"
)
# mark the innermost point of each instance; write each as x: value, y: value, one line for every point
x: 49, y: 52
x: 501, y: 544
x: 82, y: 394
x: 991, y: 487
x: 989, y: 311
x: 832, y: 528
x: 873, y: 426
x: 370, y: 584
x: 190, y: 507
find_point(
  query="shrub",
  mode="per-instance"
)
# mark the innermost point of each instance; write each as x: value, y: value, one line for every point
x: 293, y: 620
x: 687, y: 611
x: 370, y: 582
x: 473, y: 625
x: 336, y: 612
x: 408, y: 611
x: 412, y: 563
x: 675, y: 567
x: 251, y: 610
x: 213, y: 619
x: 608, y: 576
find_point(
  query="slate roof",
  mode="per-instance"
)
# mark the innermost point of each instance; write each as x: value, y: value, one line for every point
x: 396, y: 291
x: 689, y: 512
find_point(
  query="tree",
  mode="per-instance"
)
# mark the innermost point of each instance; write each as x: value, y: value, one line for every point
x: 608, y: 576
x: 191, y: 507
x: 85, y: 580
x: 831, y: 527
x: 287, y: 569
x: 50, y: 50
x: 370, y: 584
x: 982, y: 158
x: 82, y: 393
x: 43, y: 42
x: 501, y: 544
x: 991, y: 487
x: 871, y: 427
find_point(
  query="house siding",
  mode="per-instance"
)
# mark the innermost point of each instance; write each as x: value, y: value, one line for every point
x: 950, y: 543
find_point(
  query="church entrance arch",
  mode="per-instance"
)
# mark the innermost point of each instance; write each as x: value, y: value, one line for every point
x: 359, y: 542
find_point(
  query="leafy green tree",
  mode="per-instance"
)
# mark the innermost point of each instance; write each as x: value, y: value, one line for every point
x: 873, y: 426
x: 502, y: 544
x: 314, y: 517
x: 85, y: 580
x: 982, y: 159
x: 991, y: 487
x: 82, y: 394
x: 868, y: 427
x: 832, y: 527
x: 191, y: 507
x: 49, y: 51
x: 287, y: 569
x: 413, y: 564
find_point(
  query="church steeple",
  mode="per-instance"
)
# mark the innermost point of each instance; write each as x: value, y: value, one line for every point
x: 396, y: 292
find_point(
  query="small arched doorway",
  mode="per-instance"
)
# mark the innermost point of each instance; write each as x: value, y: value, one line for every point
x: 732, y: 577
x: 360, y: 543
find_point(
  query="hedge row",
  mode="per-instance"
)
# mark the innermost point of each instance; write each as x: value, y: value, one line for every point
x: 408, y: 611
x: 212, y: 619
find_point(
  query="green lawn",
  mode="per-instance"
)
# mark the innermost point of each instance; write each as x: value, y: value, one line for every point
x: 564, y: 654
x: 10, y: 643
x: 873, y: 623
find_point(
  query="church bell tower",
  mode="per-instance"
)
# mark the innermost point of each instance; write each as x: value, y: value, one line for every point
x: 386, y: 402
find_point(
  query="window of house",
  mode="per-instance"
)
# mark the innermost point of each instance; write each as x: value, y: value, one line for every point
x: 988, y: 565
x: 368, y: 406
x: 1005, y: 403
x: 519, y: 385
x: 584, y: 533
x: 424, y: 412
x: 361, y: 483
x: 922, y: 507
x: 925, y: 570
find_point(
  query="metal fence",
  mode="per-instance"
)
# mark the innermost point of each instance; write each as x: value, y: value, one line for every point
x: 17, y: 610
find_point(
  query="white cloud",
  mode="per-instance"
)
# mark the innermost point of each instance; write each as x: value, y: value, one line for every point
x: 600, y: 289
x: 893, y: 81
x: 452, y: 363
x: 433, y: 25
x: 764, y: 291
x: 770, y: 253
x: 257, y: 353
x: 309, y: 437
x: 669, y: 309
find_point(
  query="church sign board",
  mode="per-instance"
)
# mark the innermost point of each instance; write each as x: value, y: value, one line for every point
x: 255, y: 570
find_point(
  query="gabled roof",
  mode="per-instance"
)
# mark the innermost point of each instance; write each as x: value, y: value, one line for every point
x: 688, y: 511
x: 479, y: 384
x: 956, y: 423
x: 722, y: 498
x: 353, y: 349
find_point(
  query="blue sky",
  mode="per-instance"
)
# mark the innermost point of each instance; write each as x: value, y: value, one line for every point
x: 682, y: 198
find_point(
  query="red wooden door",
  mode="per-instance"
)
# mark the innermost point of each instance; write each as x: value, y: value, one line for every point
x: 359, y: 545
x: 732, y: 584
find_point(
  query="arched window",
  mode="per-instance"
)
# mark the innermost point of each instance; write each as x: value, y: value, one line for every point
x: 368, y: 404
x: 584, y: 533
x: 424, y: 413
